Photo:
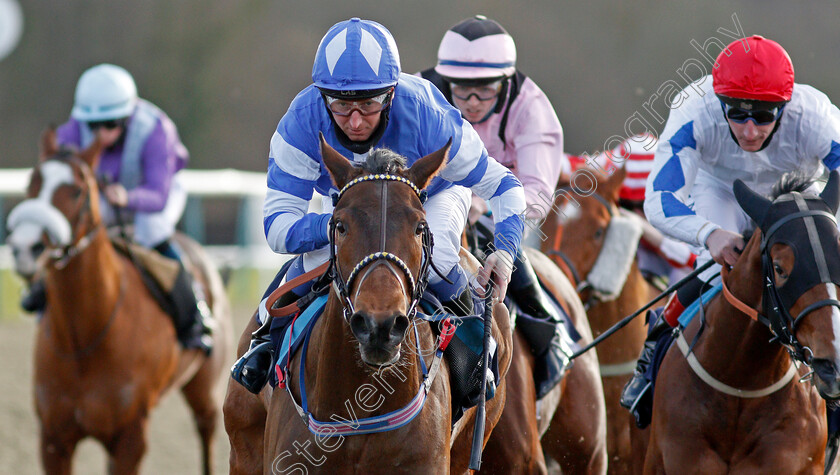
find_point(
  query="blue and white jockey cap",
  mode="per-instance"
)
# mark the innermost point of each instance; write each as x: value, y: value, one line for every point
x: 356, y: 59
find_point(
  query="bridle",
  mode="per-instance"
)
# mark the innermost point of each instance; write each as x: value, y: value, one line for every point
x: 61, y: 255
x: 781, y: 322
x: 416, y: 285
x: 776, y: 301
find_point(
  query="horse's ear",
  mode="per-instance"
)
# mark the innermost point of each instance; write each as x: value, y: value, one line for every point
x: 92, y: 154
x: 341, y: 170
x: 423, y: 170
x: 831, y: 192
x: 754, y: 204
x: 612, y: 186
x: 49, y: 144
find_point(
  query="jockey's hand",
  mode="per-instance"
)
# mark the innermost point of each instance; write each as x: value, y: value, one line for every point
x: 499, y: 265
x: 116, y: 195
x: 725, y: 246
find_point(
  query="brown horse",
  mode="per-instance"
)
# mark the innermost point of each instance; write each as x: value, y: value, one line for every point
x: 105, y: 352
x: 360, y: 363
x: 728, y: 397
x: 568, y: 423
x: 575, y: 241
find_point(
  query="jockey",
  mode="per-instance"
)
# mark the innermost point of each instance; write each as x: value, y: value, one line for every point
x: 359, y: 100
x: 476, y: 72
x: 139, y: 164
x: 747, y: 121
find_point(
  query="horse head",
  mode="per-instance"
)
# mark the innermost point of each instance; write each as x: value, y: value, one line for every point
x: 596, y: 240
x: 381, y: 245
x: 796, y: 254
x: 61, y: 205
x: 584, y: 214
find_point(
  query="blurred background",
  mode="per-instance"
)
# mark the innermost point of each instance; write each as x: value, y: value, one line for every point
x: 226, y: 71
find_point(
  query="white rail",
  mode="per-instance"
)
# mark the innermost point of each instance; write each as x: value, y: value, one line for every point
x: 250, y: 187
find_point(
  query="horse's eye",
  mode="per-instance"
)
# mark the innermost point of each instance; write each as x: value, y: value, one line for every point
x: 778, y: 269
x: 421, y: 226
x: 339, y: 226
x: 599, y: 233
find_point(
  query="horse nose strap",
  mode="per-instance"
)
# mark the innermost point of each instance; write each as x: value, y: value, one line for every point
x: 381, y: 255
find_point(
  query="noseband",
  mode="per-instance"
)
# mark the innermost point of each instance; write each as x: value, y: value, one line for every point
x: 418, y: 285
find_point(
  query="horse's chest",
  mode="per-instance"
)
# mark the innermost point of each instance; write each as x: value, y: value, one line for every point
x: 94, y: 408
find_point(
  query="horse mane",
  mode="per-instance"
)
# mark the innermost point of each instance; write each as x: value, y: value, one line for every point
x: 790, y: 182
x: 64, y: 153
x: 383, y: 160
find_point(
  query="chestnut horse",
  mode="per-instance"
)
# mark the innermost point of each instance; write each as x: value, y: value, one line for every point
x: 575, y: 240
x: 360, y: 363
x: 105, y: 352
x: 740, y: 391
x: 568, y: 423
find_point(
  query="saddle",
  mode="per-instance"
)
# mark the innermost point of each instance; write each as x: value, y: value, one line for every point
x: 167, y: 281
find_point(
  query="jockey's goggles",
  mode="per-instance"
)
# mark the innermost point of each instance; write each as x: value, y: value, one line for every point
x: 484, y: 92
x: 759, y: 117
x: 106, y: 124
x: 366, y: 107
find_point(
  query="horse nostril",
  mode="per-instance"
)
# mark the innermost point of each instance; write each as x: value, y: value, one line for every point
x: 400, y: 326
x: 825, y: 369
x: 359, y: 326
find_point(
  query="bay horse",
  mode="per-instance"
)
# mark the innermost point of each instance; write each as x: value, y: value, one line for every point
x: 105, y: 351
x: 364, y: 349
x: 568, y: 423
x: 576, y: 233
x: 744, y: 388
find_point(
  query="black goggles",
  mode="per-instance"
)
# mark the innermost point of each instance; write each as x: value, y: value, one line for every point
x: 106, y: 124
x: 759, y: 117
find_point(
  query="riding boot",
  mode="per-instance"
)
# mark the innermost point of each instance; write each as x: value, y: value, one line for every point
x: 542, y: 332
x: 253, y: 369
x: 193, y: 318
x: 35, y: 299
x: 639, y: 384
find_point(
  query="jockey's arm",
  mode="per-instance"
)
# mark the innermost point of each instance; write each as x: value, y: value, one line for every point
x: 471, y: 166
x: 536, y: 134
x: 292, y: 174
x: 159, y: 161
x: 668, y: 187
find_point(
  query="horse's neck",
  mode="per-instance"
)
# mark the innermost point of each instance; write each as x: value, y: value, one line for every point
x: 96, y: 271
x: 339, y: 383
x: 743, y: 342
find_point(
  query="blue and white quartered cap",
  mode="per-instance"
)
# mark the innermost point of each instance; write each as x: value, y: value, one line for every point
x: 356, y: 55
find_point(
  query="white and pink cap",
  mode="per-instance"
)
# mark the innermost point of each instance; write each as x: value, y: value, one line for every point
x: 476, y: 48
